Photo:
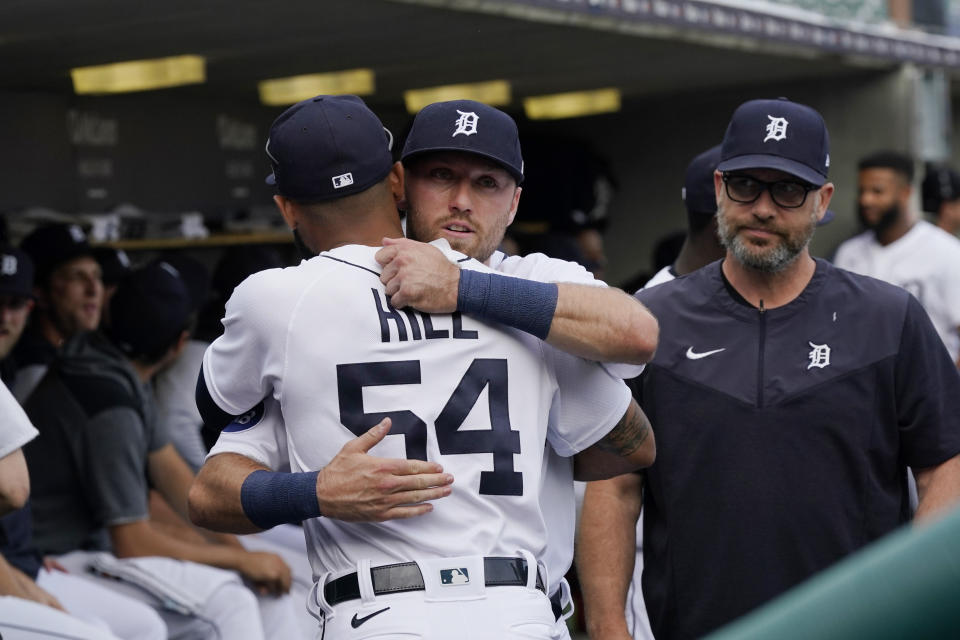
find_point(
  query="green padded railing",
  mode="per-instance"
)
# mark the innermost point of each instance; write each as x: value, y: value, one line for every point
x: 906, y: 585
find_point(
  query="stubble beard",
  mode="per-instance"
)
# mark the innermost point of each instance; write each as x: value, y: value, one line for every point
x: 481, y: 249
x: 764, y: 259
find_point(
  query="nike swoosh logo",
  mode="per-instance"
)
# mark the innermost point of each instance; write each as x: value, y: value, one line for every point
x: 696, y: 356
x: 356, y: 622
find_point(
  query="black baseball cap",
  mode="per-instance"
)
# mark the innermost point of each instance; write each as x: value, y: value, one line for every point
x: 468, y: 126
x: 16, y: 273
x: 699, y: 195
x: 777, y: 134
x: 53, y: 245
x: 940, y: 184
x: 328, y: 147
x: 150, y: 309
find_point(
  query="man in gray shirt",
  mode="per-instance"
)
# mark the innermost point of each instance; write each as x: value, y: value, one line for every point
x: 100, y: 447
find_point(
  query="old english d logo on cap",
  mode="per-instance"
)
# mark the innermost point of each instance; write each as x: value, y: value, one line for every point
x: 466, y: 123
x: 8, y: 265
x: 777, y: 134
x: 452, y: 125
x: 776, y: 129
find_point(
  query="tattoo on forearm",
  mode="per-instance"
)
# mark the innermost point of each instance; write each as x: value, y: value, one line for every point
x: 629, y: 434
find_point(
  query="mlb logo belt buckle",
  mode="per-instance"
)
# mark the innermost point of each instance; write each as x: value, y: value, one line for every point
x: 406, y: 576
x: 456, y: 576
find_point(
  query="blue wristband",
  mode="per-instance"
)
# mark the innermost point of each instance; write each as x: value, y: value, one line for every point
x: 523, y: 304
x: 270, y: 498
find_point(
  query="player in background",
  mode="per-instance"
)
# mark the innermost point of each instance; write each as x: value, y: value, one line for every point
x: 69, y: 299
x: 101, y: 449
x: 941, y: 197
x: 365, y: 215
x: 43, y: 591
x: 900, y: 248
x: 700, y: 245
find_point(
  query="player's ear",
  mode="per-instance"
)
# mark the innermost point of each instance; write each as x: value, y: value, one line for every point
x: 287, y: 210
x: 396, y: 179
x: 826, y: 193
x: 514, y: 205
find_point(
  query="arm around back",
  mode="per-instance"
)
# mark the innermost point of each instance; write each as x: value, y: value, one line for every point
x: 603, y: 324
x: 355, y: 486
x: 594, y: 322
x: 214, y: 500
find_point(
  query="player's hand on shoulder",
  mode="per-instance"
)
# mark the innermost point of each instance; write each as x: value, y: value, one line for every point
x: 358, y: 487
x: 418, y: 275
x: 266, y: 571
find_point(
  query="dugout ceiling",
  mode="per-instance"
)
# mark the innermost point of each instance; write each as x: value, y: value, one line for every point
x: 408, y: 44
x: 682, y: 66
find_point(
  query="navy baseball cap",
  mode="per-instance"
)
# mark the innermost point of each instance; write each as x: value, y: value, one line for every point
x: 16, y: 273
x: 114, y: 264
x: 328, y: 147
x: 468, y: 126
x: 53, y: 245
x: 941, y: 184
x: 194, y: 275
x: 699, y: 195
x: 777, y: 134
x: 150, y: 309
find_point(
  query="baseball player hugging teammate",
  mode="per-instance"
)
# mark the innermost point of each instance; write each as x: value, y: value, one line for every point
x: 376, y: 417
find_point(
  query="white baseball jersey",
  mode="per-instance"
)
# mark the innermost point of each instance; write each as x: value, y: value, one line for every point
x: 664, y: 275
x: 542, y: 268
x: 925, y: 262
x: 260, y: 435
x: 323, y: 341
x: 17, y: 429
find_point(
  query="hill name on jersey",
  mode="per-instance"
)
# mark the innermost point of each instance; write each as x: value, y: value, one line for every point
x: 420, y: 324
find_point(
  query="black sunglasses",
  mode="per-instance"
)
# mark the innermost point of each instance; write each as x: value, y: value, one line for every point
x: 745, y: 189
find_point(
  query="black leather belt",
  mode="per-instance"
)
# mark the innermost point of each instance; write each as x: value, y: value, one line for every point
x: 406, y: 576
x: 556, y: 605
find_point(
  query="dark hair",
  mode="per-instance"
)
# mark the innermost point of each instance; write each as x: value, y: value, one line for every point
x: 697, y: 222
x: 235, y: 264
x: 155, y: 354
x: 899, y: 162
x: 149, y: 312
x: 667, y: 248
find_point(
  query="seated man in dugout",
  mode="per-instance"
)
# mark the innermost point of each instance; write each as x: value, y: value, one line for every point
x: 99, y: 448
x: 68, y: 288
